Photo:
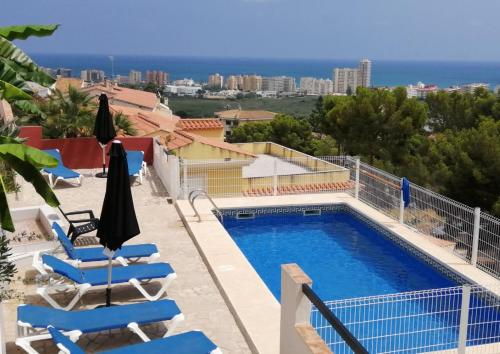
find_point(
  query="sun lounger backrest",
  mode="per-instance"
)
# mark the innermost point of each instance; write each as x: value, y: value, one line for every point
x: 134, y: 160
x: 64, y: 341
x: 63, y: 268
x: 54, y: 153
x: 65, y: 242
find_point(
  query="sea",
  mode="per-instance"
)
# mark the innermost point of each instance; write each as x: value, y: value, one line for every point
x: 384, y: 72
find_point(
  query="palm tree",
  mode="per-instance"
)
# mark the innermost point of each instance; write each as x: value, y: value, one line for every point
x: 68, y: 115
x: 123, y: 123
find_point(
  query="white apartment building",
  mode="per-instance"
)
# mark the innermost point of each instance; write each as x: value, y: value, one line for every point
x: 314, y: 86
x: 470, y: 88
x: 215, y: 81
x: 182, y: 90
x: 349, y: 79
x: 278, y: 84
x: 92, y: 75
x: 134, y: 77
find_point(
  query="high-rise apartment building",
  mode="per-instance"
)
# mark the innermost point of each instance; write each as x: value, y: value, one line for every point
x: 313, y: 86
x: 92, y: 75
x: 349, y: 79
x: 278, y: 84
x: 234, y: 82
x: 215, y: 81
x: 252, y: 83
x: 159, y: 78
x: 134, y: 77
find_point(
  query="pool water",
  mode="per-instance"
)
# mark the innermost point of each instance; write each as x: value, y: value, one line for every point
x: 343, y: 256
x: 347, y: 258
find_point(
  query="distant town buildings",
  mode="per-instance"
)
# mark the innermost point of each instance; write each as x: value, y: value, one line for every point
x: 470, y: 88
x: 420, y: 90
x: 278, y: 84
x: 252, y: 83
x: 159, y: 78
x: 314, y: 86
x: 347, y: 80
x: 234, y: 82
x: 61, y: 72
x: 92, y: 75
x: 184, y: 82
x: 182, y: 90
x: 215, y: 81
x: 134, y: 77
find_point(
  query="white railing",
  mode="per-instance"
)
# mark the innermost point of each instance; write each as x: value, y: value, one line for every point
x: 263, y: 176
x: 418, y: 322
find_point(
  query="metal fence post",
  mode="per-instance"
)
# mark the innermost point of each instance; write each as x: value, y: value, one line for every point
x: 401, y: 204
x: 275, y: 177
x: 475, y: 235
x: 464, y: 319
x: 185, y: 178
x: 356, y: 186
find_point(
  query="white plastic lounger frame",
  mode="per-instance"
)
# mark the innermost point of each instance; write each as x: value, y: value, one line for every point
x: 143, y: 170
x: 26, y: 334
x: 81, y: 289
x: 53, y: 182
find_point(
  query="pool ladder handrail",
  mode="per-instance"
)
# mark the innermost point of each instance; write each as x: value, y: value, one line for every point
x: 200, y: 192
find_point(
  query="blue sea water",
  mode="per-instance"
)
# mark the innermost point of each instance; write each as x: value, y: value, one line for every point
x: 385, y: 73
x: 347, y: 258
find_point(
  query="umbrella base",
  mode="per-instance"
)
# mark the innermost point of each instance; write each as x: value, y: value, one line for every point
x: 102, y: 175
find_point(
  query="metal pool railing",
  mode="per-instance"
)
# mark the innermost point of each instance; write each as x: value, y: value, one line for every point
x: 457, y: 318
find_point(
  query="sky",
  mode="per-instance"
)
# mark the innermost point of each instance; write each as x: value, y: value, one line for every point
x: 323, y: 29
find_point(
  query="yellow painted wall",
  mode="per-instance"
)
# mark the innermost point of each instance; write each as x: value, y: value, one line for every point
x: 199, y: 151
x: 209, y: 133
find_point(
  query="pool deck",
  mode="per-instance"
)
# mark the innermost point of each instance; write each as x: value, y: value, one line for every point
x: 256, y: 310
x: 194, y: 289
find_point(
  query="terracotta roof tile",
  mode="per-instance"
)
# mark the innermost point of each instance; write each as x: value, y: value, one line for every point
x: 63, y: 83
x: 196, y: 124
x: 119, y: 95
x: 245, y: 115
x: 146, y: 122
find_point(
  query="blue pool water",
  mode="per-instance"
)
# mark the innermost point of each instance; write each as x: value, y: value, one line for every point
x: 344, y: 257
x: 347, y: 258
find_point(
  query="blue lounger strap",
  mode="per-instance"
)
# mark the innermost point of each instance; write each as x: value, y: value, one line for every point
x: 85, y: 279
x: 93, y: 254
x: 60, y: 171
x: 193, y: 342
x: 32, y: 319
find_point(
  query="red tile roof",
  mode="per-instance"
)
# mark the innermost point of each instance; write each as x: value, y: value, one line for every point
x: 146, y: 122
x: 196, y: 124
x: 118, y: 95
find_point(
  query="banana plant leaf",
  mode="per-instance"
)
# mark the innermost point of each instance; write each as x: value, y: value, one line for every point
x: 10, y: 75
x: 28, y: 74
x: 29, y: 107
x: 27, y: 162
x: 11, y: 93
x: 8, y: 50
x: 23, y: 32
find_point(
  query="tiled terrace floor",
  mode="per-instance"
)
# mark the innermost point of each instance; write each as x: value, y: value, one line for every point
x: 193, y: 290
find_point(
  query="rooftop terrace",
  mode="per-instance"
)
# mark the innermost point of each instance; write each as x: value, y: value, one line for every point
x: 193, y: 290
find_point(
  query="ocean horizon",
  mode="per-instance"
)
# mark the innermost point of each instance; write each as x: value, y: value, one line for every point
x: 384, y: 72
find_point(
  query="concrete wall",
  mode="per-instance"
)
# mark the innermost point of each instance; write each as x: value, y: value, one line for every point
x: 297, y: 336
x: 199, y: 151
x: 80, y: 153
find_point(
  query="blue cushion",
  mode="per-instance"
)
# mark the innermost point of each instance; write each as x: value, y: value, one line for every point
x: 63, y: 268
x: 99, y: 276
x: 134, y: 161
x: 65, y: 242
x: 60, y: 338
x: 60, y: 170
x: 99, y: 319
x: 92, y: 254
x: 193, y: 342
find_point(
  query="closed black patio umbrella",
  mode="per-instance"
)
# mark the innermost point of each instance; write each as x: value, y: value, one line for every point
x: 118, y: 222
x: 104, y: 129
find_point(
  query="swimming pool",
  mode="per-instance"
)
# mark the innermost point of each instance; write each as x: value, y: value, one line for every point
x: 349, y: 256
x: 344, y: 256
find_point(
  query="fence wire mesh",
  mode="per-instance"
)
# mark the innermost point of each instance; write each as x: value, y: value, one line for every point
x: 417, y: 322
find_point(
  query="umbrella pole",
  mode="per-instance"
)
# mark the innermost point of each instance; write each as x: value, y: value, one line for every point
x: 108, y: 289
x: 103, y: 173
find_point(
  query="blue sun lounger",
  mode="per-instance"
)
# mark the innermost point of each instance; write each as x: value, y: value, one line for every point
x: 87, y: 278
x: 136, y: 164
x: 60, y: 172
x: 32, y: 321
x: 94, y: 254
x: 194, y: 342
